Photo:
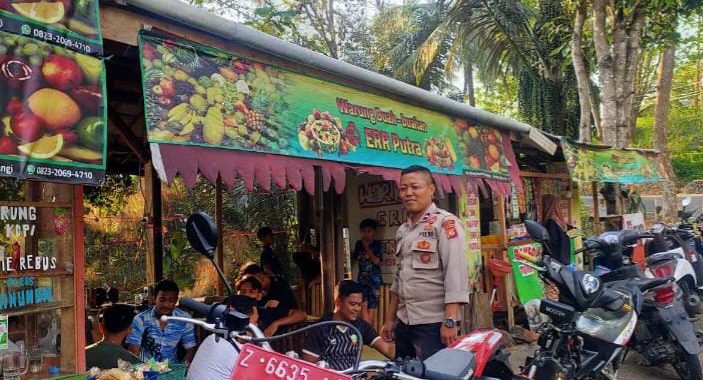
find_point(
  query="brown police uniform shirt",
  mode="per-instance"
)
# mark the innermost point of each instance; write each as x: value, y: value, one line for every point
x: 432, y: 268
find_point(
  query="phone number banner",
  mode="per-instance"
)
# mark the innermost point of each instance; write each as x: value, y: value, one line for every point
x: 53, y: 118
x: 197, y: 95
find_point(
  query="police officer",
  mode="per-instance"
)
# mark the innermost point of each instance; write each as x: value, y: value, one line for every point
x: 431, y: 281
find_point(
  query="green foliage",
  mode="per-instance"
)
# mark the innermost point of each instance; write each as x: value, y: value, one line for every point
x: 685, y: 141
x: 107, y: 199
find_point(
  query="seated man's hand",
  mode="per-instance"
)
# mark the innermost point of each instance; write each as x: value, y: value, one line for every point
x: 272, y: 303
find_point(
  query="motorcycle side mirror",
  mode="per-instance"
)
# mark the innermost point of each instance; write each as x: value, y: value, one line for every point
x: 686, y: 201
x: 202, y: 234
x: 536, y: 231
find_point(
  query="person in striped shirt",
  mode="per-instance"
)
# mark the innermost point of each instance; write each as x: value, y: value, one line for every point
x: 338, y: 345
x: 151, y: 338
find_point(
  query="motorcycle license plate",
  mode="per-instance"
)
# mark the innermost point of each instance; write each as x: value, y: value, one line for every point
x: 256, y: 363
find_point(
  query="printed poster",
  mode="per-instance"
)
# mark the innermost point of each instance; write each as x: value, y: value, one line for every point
x: 469, y: 214
x: 527, y: 283
x: 53, y: 102
x: 197, y: 95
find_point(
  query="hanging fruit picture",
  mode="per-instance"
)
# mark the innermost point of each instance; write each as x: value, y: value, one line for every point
x: 211, y: 98
x: 52, y: 107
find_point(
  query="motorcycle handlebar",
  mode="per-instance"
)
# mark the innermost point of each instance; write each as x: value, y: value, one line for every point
x: 197, y: 306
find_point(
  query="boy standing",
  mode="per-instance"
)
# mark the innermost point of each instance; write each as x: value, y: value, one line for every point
x: 369, y: 252
x: 268, y: 260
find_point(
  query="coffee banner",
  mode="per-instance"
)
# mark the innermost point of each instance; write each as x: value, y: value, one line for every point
x: 196, y: 95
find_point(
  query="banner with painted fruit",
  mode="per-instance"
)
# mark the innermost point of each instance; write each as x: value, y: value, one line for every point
x: 52, y: 112
x: 197, y: 95
x: 71, y: 24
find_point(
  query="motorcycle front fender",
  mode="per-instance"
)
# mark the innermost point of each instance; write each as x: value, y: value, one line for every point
x: 675, y: 319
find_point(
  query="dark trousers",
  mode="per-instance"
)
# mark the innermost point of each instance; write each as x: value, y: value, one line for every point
x: 421, y: 341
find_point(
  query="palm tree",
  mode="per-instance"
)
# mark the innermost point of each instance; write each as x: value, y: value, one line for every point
x: 500, y: 38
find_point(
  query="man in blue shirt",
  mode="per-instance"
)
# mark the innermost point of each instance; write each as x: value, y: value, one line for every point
x: 151, y: 338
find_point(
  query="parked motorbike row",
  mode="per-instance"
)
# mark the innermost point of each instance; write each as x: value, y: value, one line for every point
x: 587, y: 335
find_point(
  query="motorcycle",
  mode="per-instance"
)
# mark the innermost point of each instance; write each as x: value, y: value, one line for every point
x: 663, y: 334
x: 685, y: 264
x: 590, y: 325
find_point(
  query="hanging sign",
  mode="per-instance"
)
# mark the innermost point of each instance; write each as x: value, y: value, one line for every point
x: 52, y: 113
x: 196, y: 95
x: 589, y: 164
x: 469, y: 214
x: 71, y: 24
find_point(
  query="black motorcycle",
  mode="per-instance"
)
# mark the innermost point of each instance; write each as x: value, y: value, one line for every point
x: 589, y: 326
x: 664, y: 334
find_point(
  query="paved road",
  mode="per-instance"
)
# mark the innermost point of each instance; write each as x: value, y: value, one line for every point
x: 630, y: 370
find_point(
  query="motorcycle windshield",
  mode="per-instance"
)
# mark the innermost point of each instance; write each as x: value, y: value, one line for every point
x: 609, y: 326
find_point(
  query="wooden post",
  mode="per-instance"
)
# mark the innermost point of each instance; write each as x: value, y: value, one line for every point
x: 219, y: 253
x: 154, y: 259
x: 596, y: 209
x: 79, y: 276
x: 327, y: 241
x: 508, y: 277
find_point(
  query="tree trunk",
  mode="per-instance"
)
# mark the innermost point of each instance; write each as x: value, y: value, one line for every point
x: 583, y: 83
x: 606, y: 74
x: 661, y: 129
x: 469, y: 90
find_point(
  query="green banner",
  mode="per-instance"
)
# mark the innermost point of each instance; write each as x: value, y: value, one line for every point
x: 589, y: 164
x: 72, y: 24
x: 196, y: 95
x: 527, y: 283
x: 52, y: 112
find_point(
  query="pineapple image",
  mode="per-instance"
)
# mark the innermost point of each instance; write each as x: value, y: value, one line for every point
x: 256, y: 120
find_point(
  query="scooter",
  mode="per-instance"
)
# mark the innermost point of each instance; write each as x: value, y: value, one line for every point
x: 664, y: 334
x: 682, y: 264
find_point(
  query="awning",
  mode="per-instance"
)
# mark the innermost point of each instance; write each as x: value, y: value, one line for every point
x: 592, y: 163
x: 263, y: 170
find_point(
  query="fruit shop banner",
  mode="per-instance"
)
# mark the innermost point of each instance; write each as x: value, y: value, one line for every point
x: 71, y: 24
x: 52, y: 112
x: 196, y: 95
x: 611, y: 165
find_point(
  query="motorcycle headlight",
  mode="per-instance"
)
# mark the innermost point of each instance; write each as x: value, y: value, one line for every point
x: 590, y: 284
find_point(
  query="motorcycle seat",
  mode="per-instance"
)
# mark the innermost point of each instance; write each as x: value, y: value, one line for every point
x: 660, y: 257
x: 646, y: 284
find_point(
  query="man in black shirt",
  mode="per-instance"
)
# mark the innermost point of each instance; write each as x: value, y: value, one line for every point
x: 338, y: 345
x: 277, y: 291
x: 268, y: 260
x: 268, y: 319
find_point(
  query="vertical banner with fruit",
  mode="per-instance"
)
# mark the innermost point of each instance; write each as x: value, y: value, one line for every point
x: 197, y: 95
x: 71, y: 24
x: 52, y: 102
